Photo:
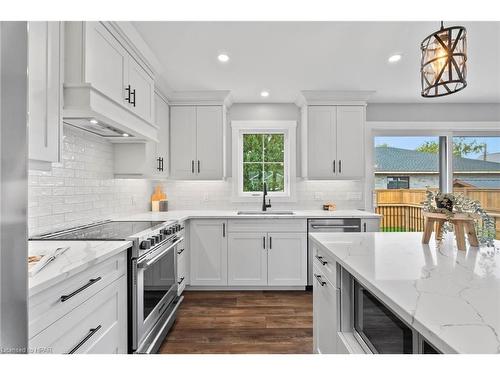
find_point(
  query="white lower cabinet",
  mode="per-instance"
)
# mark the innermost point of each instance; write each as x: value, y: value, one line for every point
x: 267, y: 258
x: 325, y: 314
x: 287, y: 259
x: 208, y: 249
x: 84, y: 314
x: 247, y: 259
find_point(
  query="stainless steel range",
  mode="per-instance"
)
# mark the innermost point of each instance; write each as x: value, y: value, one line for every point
x: 152, y: 274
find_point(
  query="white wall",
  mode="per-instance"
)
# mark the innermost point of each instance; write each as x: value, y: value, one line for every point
x: 82, y: 188
x: 433, y: 112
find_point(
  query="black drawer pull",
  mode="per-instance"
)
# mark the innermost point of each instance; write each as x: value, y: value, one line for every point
x: 81, y: 289
x: 321, y: 282
x: 180, y: 251
x: 85, y: 339
x: 323, y: 262
x: 180, y: 281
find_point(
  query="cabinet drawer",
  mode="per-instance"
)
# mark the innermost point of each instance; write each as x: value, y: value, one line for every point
x: 327, y: 265
x: 47, y: 306
x: 267, y: 225
x: 99, y: 325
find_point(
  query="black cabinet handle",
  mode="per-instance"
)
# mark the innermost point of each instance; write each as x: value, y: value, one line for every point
x: 334, y: 166
x: 180, y: 280
x: 264, y: 242
x: 364, y: 227
x: 223, y: 229
x: 323, y: 262
x: 270, y: 243
x: 340, y: 166
x: 127, y: 89
x: 160, y: 164
x: 81, y: 289
x: 198, y: 166
x: 132, y: 94
x: 180, y: 251
x: 91, y: 333
x: 321, y: 282
x: 192, y: 166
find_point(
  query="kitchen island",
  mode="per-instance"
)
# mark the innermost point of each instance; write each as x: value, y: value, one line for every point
x: 450, y: 298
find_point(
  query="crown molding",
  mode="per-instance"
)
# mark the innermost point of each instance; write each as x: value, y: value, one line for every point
x: 331, y: 97
x: 206, y: 97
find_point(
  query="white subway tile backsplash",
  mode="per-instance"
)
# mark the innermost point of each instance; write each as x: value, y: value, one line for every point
x: 82, y: 188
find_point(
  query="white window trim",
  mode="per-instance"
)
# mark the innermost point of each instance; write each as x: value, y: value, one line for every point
x: 288, y: 128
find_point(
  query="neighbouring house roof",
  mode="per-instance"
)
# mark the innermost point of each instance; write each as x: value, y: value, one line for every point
x: 481, y: 183
x: 392, y: 159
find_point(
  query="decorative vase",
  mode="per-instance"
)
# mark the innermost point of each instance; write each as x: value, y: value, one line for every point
x: 445, y: 203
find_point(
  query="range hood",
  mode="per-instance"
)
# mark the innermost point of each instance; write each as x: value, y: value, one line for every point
x: 94, y: 126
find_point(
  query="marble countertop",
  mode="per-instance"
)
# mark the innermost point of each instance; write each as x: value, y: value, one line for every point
x: 224, y: 214
x: 79, y: 256
x: 451, y: 297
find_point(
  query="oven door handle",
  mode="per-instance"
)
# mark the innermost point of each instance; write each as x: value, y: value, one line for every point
x: 148, y: 262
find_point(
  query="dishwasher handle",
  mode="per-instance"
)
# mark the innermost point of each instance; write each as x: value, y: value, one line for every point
x: 334, y: 226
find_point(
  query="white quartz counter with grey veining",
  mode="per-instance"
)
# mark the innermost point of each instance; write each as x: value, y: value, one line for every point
x: 451, y: 297
x: 80, y: 256
x: 228, y: 214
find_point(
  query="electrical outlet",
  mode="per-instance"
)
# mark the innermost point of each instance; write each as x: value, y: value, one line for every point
x: 318, y: 196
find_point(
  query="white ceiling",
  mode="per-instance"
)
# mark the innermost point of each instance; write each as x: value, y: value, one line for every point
x: 287, y: 57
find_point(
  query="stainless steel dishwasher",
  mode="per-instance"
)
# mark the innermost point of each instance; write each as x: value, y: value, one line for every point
x: 337, y: 225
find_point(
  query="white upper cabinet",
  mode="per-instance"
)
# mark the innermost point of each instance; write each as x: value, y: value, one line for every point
x: 196, y: 142
x: 209, y: 144
x: 106, y: 62
x: 287, y: 259
x: 183, y: 142
x: 162, y: 120
x: 45, y: 71
x: 350, y: 141
x: 142, y: 91
x: 322, y: 150
x: 335, y: 142
x: 108, y: 80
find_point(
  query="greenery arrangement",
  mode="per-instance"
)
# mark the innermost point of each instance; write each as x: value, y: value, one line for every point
x: 438, y: 202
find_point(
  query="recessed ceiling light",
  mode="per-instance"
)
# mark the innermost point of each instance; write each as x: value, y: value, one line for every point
x: 223, y: 57
x: 395, y: 58
x: 125, y: 134
x: 94, y: 121
x: 264, y: 94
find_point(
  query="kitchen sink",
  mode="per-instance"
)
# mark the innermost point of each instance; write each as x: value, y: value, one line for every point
x: 266, y: 212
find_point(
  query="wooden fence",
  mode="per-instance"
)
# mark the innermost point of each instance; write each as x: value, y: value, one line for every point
x: 402, y: 208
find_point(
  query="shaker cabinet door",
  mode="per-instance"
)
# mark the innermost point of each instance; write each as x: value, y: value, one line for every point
x: 208, y: 250
x: 209, y: 144
x: 247, y: 259
x: 350, y: 141
x: 106, y: 62
x: 183, y: 142
x: 321, y: 148
x: 45, y: 90
x: 142, y: 91
x: 287, y: 259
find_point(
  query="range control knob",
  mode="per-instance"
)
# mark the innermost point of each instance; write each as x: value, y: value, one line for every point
x: 174, y: 228
x: 169, y: 231
x: 164, y: 232
x: 162, y: 237
x: 157, y: 238
x: 145, y: 245
x: 152, y: 240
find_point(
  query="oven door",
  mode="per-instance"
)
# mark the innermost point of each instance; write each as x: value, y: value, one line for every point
x: 377, y: 327
x: 156, y: 288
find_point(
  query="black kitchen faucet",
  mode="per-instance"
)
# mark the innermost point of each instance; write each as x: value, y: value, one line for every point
x: 265, y: 205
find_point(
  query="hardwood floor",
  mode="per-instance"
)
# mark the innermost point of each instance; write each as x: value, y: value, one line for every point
x: 242, y: 322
